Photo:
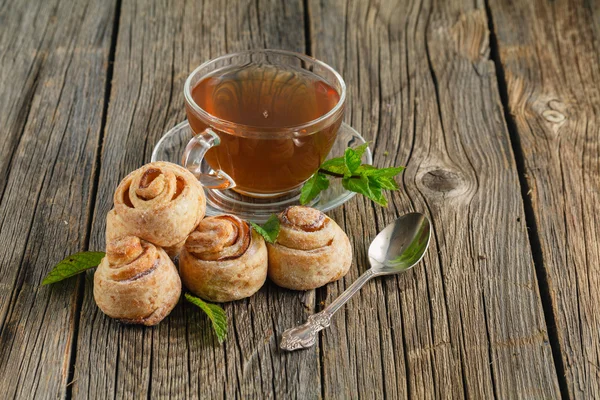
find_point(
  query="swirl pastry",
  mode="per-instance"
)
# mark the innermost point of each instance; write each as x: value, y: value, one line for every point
x: 136, y: 282
x: 311, y: 250
x: 223, y: 260
x: 160, y: 203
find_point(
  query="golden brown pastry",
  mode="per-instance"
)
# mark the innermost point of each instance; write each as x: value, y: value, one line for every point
x: 160, y: 202
x: 223, y: 260
x: 311, y: 250
x: 136, y: 282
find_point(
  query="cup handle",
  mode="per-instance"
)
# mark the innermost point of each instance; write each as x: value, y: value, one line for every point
x: 194, y: 154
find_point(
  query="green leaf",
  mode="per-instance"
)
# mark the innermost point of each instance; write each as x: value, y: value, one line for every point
x: 335, y: 165
x: 73, y: 265
x: 269, y: 230
x: 366, y: 187
x: 369, y: 170
x: 215, y: 313
x: 364, y: 179
x: 339, y: 165
x: 352, y: 160
x: 365, y: 169
x: 377, y: 195
x: 360, y: 150
x: 313, y: 187
x: 385, y: 182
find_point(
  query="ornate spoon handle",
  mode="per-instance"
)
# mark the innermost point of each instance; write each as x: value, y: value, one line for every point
x: 305, y: 335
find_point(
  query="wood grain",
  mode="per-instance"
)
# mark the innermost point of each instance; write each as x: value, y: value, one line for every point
x: 469, y: 321
x: 549, y: 55
x: 53, y: 64
x: 158, y: 45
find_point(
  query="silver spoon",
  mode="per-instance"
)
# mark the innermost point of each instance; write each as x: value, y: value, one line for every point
x: 396, y: 249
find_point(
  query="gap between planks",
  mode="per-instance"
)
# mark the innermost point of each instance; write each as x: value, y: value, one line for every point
x: 532, y: 229
x: 93, y: 191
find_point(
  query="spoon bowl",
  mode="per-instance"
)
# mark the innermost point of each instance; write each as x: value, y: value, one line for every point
x: 400, y: 245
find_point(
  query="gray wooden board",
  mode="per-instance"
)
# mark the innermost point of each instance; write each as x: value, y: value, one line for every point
x: 53, y: 63
x: 469, y: 320
x: 549, y: 54
x: 158, y: 44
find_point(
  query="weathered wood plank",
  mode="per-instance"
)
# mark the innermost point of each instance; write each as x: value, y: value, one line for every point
x: 469, y: 322
x: 53, y: 66
x: 158, y: 44
x: 549, y: 55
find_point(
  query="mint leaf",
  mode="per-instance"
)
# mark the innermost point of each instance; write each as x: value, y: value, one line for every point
x: 73, y: 265
x: 385, y: 182
x: 215, y: 313
x: 369, y: 170
x: 352, y: 160
x: 339, y: 165
x: 269, y: 230
x: 360, y: 150
x: 358, y: 185
x: 366, y: 187
x: 365, y: 169
x: 335, y: 165
x: 376, y: 187
x: 356, y: 177
x: 313, y: 187
x: 272, y: 227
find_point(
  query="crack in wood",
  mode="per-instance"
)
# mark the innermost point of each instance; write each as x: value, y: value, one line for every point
x: 533, y: 234
x: 92, y: 196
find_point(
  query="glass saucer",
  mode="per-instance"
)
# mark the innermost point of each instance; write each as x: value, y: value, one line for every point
x: 170, y: 148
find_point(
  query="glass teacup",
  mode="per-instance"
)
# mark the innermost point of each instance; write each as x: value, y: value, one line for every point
x: 264, y: 120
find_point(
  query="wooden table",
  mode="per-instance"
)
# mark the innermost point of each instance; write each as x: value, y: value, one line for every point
x: 494, y: 108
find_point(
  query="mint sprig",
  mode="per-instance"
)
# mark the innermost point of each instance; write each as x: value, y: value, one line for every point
x: 360, y: 178
x: 269, y: 230
x: 216, y: 314
x: 73, y: 265
x: 315, y: 185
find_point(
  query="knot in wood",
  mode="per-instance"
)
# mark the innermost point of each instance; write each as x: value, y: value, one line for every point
x: 441, y: 180
x: 553, y: 116
x: 553, y: 111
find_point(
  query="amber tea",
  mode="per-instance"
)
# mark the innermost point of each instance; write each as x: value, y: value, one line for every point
x: 268, y: 144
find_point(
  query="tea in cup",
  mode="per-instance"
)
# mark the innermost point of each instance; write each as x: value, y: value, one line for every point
x: 264, y: 120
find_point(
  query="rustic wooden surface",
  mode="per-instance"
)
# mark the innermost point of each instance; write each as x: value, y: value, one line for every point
x: 464, y: 324
x: 54, y: 57
x: 551, y: 73
x: 492, y: 106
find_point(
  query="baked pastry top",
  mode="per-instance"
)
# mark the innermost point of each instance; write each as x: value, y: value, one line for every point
x: 223, y: 259
x: 311, y: 250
